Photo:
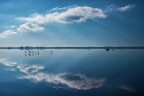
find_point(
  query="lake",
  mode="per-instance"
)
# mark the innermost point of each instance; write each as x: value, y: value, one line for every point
x: 67, y: 72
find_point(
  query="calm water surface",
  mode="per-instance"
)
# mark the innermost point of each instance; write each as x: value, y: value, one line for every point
x: 71, y: 73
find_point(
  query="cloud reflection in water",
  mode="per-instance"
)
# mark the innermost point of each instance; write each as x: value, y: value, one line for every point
x: 75, y: 81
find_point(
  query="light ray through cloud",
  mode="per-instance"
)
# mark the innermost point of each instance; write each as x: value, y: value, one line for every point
x: 75, y: 14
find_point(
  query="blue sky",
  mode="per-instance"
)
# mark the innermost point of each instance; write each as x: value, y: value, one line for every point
x: 71, y: 22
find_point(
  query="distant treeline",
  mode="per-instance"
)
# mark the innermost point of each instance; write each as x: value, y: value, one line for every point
x: 86, y: 47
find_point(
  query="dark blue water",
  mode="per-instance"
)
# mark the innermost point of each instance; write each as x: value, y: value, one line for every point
x: 71, y: 73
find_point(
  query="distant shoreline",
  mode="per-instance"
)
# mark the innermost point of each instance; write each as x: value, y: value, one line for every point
x: 86, y: 47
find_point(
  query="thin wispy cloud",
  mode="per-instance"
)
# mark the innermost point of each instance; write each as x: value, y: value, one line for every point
x: 125, y: 8
x: 10, y: 27
x: 62, y: 8
x: 113, y: 8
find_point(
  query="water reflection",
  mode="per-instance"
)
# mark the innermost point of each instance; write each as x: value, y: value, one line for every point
x: 37, y: 52
x: 87, y: 72
x: 76, y: 81
x: 31, y: 53
x: 34, y: 53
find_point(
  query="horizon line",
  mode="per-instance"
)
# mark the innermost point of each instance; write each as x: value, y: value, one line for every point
x: 76, y: 47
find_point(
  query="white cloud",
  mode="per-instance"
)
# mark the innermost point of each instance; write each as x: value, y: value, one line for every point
x: 71, y: 15
x: 7, y: 33
x: 26, y: 27
x: 29, y: 69
x: 6, y: 62
x: 10, y: 27
x: 75, y: 14
x: 29, y: 27
x: 125, y: 8
x: 64, y: 15
x: 75, y: 81
x: 61, y: 8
